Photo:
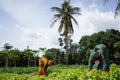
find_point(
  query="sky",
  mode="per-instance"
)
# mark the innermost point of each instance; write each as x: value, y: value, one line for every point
x: 27, y: 22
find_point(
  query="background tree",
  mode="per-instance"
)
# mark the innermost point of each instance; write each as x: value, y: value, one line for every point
x: 117, y: 46
x: 55, y: 55
x: 2, y: 58
x: 65, y: 17
x: 73, y: 56
x: 110, y: 36
x: 117, y: 53
x: 28, y: 53
x: 14, y: 55
x: 6, y: 50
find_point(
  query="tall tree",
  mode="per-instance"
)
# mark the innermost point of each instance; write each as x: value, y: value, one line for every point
x: 6, y: 50
x: 65, y: 17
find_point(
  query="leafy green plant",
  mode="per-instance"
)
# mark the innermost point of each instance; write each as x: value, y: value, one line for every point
x: 61, y: 72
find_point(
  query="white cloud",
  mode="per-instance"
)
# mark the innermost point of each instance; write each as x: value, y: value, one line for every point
x: 38, y: 38
x: 32, y: 27
x: 93, y: 20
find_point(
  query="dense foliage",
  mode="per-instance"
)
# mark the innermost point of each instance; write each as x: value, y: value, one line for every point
x: 111, y: 37
x: 79, y: 52
x: 60, y: 72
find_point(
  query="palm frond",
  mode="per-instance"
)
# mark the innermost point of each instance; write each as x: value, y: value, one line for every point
x: 117, y: 9
x: 57, y: 9
x: 54, y: 22
x: 77, y: 13
x: 76, y: 9
x: 74, y: 19
x: 60, y: 26
x: 64, y: 17
x: 57, y: 15
x: 71, y: 30
x: 73, y: 10
x: 55, y: 19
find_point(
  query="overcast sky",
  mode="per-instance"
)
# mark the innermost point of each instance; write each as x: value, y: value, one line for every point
x: 27, y: 22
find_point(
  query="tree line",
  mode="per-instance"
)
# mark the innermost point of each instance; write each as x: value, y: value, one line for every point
x: 13, y: 57
x: 78, y: 52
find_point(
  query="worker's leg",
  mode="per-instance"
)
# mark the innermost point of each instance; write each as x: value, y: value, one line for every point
x: 90, y: 64
x: 39, y: 71
x: 106, y: 66
x: 97, y: 64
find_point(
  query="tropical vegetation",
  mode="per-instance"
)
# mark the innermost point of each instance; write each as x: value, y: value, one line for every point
x: 60, y: 72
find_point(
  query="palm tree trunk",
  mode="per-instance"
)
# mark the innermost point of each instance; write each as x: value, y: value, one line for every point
x: 35, y: 61
x: 6, y: 61
x: 67, y: 52
x: 15, y: 63
x: 28, y: 61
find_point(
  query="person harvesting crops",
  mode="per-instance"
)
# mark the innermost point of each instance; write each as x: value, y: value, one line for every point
x: 43, y: 65
x: 99, y: 58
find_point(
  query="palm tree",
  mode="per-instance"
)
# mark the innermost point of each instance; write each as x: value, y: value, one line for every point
x: 6, y: 47
x: 117, y: 7
x: 65, y: 17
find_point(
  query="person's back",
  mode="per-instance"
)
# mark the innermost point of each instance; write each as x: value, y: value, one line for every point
x: 102, y: 49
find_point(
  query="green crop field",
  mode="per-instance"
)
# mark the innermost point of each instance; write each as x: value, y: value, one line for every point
x: 60, y: 72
